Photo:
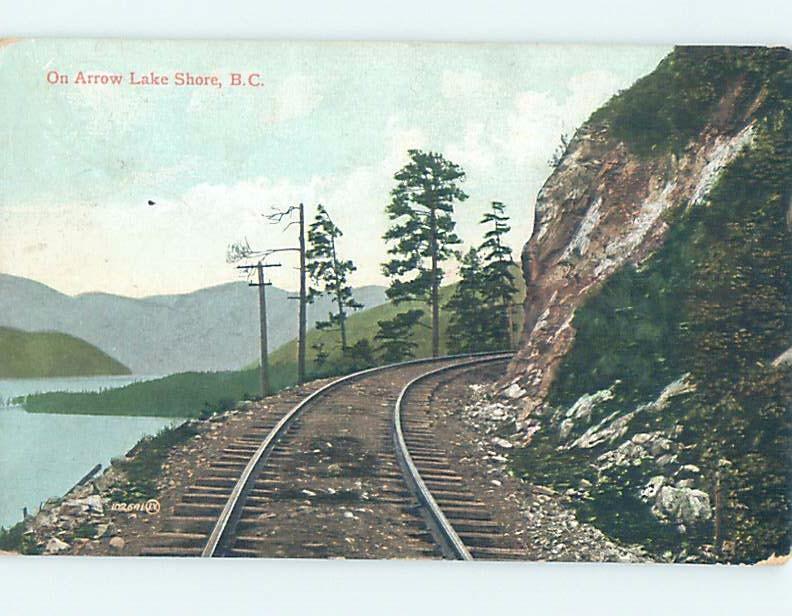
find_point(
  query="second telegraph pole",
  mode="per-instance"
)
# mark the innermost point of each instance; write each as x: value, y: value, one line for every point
x: 262, y: 287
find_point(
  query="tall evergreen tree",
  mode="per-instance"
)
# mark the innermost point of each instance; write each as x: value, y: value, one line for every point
x: 329, y: 274
x: 497, y: 279
x: 395, y: 336
x: 422, y: 234
x: 466, y: 327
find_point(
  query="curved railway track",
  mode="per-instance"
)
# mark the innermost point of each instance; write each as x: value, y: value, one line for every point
x: 351, y: 471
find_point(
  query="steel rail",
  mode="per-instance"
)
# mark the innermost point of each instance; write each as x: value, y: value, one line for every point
x: 443, y: 530
x: 232, y: 510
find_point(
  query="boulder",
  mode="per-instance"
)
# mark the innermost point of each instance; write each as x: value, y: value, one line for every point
x: 683, y: 385
x: 610, y: 429
x: 652, y: 488
x: 687, y: 471
x: 585, y: 404
x: 56, y: 546
x: 117, y: 543
x: 502, y: 443
x: 565, y: 429
x: 94, y: 503
x: 514, y: 391
x: 626, y: 454
x: 666, y: 460
x: 682, y: 505
x: 660, y: 445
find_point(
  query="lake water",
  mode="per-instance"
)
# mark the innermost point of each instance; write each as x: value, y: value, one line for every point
x: 43, y: 455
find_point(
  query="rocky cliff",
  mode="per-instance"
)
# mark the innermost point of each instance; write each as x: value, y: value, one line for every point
x: 605, y: 206
x: 658, y: 285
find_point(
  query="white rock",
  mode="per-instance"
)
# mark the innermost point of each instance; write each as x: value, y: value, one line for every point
x: 501, y: 442
x: 641, y: 438
x: 586, y: 403
x: 687, y: 470
x: 682, y: 505
x: 683, y: 385
x: 94, y: 503
x: 565, y: 428
x: 609, y: 429
x: 55, y: 545
x: 117, y: 543
x: 626, y: 454
x: 650, y: 491
x: 515, y: 391
x: 349, y: 515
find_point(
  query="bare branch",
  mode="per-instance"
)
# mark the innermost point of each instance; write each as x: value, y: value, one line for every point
x: 277, y: 216
x: 239, y: 251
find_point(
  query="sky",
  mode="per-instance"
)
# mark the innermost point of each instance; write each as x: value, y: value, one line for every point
x: 329, y: 123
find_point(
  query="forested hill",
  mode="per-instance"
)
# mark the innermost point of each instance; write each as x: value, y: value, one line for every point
x: 660, y: 279
x: 51, y: 354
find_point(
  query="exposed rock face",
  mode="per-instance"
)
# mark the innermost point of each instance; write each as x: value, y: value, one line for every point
x: 671, y: 192
x: 602, y: 208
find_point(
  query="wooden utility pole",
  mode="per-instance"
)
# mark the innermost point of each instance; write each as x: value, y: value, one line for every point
x: 435, y: 291
x: 262, y: 287
x: 303, y: 302
x: 277, y: 217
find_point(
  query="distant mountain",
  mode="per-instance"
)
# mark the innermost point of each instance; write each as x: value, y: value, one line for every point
x: 210, y: 329
x: 51, y: 354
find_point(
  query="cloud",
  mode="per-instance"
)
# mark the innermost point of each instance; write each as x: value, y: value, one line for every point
x: 465, y: 84
x: 475, y: 153
x: 296, y: 96
x: 180, y: 242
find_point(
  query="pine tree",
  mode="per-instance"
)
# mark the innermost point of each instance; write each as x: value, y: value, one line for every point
x: 395, y: 336
x: 422, y: 235
x: 498, y: 288
x: 329, y: 274
x: 466, y: 332
x: 320, y: 359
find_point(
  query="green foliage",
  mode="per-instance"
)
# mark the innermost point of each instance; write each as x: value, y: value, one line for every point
x: 467, y: 330
x: 85, y: 530
x: 663, y: 111
x: 329, y: 274
x: 51, y: 354
x: 320, y: 355
x: 354, y: 358
x: 498, y: 279
x: 714, y: 302
x: 481, y: 305
x: 747, y: 433
x: 558, y: 153
x: 614, y: 506
x: 187, y: 394
x: 143, y: 470
x: 12, y: 539
x: 395, y: 336
x: 421, y: 235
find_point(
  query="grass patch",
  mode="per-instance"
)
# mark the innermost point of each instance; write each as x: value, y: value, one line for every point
x: 143, y: 470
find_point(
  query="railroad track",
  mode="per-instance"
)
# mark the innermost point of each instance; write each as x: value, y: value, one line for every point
x: 351, y: 471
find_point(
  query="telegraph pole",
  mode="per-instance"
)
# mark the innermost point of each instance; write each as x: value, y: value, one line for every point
x: 262, y: 287
x: 277, y: 217
x: 303, y: 302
